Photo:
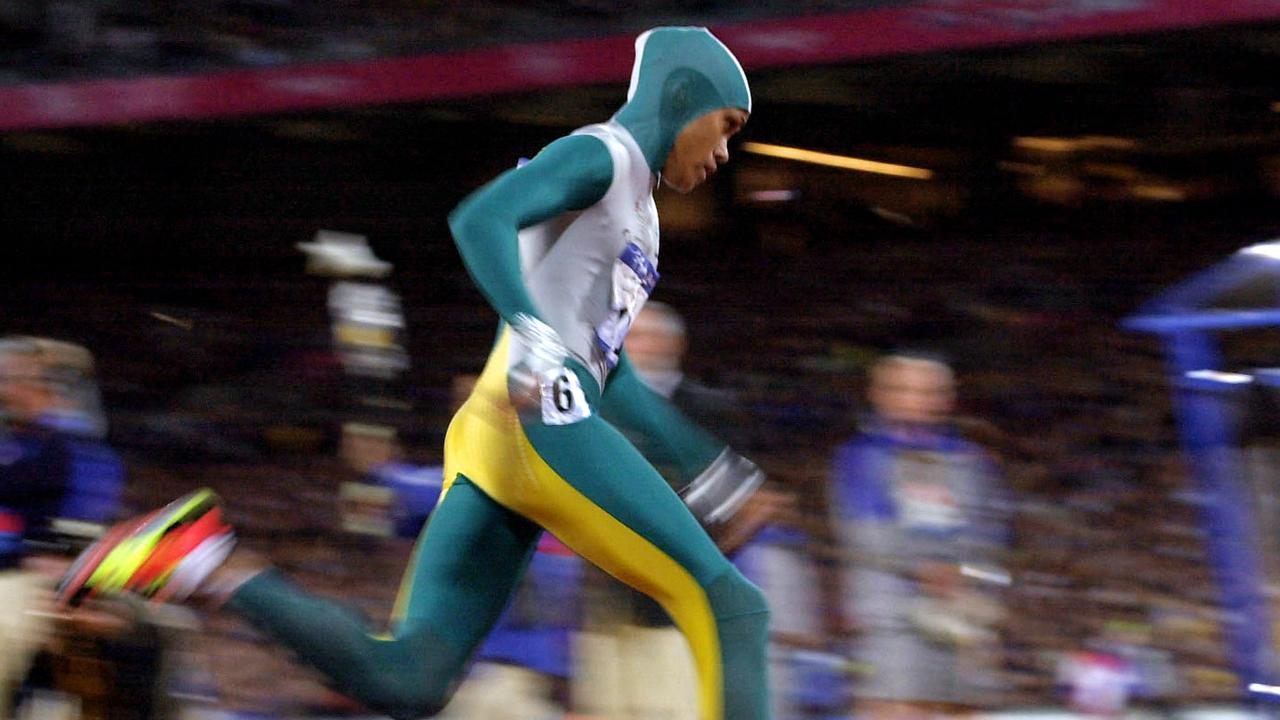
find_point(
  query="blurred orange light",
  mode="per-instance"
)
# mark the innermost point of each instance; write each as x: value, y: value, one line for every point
x: 1044, y: 144
x: 1069, y: 144
x: 1158, y: 192
x: 1022, y: 168
x: 839, y: 161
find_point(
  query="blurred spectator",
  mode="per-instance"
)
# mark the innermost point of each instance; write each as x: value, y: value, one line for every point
x: 58, y: 484
x: 66, y: 398
x: 376, y: 504
x: 917, y: 512
x: 34, y: 468
x: 35, y: 460
x: 57, y: 477
x: 1098, y: 681
x: 657, y: 344
x: 50, y: 405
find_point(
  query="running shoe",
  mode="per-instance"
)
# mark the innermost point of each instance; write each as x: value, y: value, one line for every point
x: 164, y: 555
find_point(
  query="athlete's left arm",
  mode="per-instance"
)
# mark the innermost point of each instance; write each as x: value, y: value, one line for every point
x: 714, y: 481
x: 569, y: 174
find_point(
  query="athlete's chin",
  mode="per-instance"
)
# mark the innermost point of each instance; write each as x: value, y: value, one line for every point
x: 684, y: 186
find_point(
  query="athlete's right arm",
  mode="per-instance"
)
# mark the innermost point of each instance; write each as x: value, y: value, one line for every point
x: 571, y: 173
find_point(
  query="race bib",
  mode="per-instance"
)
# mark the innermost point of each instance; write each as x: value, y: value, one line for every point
x: 562, y: 399
x: 634, y: 278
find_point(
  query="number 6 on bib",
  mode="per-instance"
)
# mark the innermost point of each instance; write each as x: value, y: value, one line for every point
x: 562, y: 399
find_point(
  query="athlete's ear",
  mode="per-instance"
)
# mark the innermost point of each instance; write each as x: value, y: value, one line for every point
x: 677, y: 94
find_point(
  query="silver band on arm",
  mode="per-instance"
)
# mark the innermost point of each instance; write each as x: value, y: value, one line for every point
x: 539, y: 345
x: 720, y: 491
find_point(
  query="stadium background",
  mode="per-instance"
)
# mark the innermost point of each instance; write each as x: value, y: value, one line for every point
x: 1084, y: 156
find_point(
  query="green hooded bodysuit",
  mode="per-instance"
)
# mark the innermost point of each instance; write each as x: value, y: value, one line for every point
x: 565, y: 248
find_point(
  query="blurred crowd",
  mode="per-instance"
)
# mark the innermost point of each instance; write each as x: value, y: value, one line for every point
x: 976, y: 499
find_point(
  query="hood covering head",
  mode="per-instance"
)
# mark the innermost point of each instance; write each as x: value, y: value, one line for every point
x: 681, y: 73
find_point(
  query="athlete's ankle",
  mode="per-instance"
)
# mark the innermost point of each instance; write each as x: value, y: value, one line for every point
x: 240, y: 567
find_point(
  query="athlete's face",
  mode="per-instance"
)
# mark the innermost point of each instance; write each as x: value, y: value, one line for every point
x: 700, y: 148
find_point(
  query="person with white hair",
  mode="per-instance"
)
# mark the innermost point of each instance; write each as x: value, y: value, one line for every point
x: 58, y: 483
x: 918, y: 512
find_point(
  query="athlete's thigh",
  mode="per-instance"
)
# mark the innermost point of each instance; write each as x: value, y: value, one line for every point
x: 600, y: 483
x: 468, y: 560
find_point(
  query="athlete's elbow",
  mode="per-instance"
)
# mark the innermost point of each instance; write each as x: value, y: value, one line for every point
x: 471, y: 221
x: 462, y: 219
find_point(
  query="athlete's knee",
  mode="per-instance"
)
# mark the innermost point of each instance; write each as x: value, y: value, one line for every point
x: 733, y: 596
x: 404, y: 699
x: 409, y: 678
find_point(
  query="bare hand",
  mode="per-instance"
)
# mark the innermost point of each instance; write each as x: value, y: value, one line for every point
x: 938, y: 579
x: 759, y: 510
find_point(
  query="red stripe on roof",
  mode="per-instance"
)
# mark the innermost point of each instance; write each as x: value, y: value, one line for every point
x: 931, y: 26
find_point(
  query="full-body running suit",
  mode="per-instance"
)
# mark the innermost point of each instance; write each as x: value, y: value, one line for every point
x: 567, y: 243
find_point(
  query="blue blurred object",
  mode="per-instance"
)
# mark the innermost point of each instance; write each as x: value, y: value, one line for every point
x: 1239, y: 293
x: 34, y: 472
x: 536, y: 630
x: 95, y: 486
x: 819, y: 681
x: 11, y: 527
x: 417, y: 489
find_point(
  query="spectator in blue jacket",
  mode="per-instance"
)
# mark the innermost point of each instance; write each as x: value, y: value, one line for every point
x: 918, y: 511
x: 58, y: 482
x: 54, y: 463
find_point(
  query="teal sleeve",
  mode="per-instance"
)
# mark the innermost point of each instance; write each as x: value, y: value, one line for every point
x: 571, y: 173
x: 666, y: 436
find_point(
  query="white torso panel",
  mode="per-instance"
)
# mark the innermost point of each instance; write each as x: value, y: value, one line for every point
x: 589, y: 272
